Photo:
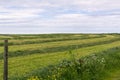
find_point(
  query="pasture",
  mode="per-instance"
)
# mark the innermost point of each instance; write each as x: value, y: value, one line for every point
x: 62, y: 56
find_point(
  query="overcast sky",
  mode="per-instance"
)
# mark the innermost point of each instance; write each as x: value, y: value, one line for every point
x: 59, y: 16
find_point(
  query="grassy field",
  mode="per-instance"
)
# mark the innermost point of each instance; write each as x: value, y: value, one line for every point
x: 62, y: 57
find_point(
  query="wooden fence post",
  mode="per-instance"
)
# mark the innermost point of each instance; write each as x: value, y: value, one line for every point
x: 5, y: 75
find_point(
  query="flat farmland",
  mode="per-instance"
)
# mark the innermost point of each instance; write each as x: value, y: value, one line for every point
x: 62, y: 56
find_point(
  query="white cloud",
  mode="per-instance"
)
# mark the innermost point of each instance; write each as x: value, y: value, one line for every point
x: 60, y: 14
x: 97, y: 5
x: 90, y: 5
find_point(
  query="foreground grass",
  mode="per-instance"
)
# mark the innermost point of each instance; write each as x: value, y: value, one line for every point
x: 113, y: 75
x: 25, y: 59
x: 35, y: 61
x: 92, y: 67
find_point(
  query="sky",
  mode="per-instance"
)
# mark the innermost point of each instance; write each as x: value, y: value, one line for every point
x: 59, y: 16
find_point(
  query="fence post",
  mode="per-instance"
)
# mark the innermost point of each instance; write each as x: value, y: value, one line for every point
x: 5, y: 75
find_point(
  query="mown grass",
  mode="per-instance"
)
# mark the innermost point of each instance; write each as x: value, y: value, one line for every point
x: 44, y: 40
x: 35, y: 61
x: 25, y: 59
x: 56, y: 46
x: 20, y: 36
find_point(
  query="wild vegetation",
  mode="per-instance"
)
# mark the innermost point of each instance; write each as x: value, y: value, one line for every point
x: 62, y: 56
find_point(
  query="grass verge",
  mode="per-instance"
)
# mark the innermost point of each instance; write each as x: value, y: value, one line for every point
x: 92, y: 67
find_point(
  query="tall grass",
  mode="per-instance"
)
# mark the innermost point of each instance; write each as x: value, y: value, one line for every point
x: 92, y: 67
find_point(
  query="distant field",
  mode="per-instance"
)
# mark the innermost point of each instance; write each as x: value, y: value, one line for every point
x: 28, y: 53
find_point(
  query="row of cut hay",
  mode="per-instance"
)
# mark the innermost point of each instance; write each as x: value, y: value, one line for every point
x: 56, y: 46
x: 44, y: 40
x: 26, y: 64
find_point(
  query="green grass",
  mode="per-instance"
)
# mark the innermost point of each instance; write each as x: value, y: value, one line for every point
x: 91, y: 67
x: 56, y: 46
x: 35, y: 61
x: 28, y: 53
x: 35, y: 40
x: 113, y: 75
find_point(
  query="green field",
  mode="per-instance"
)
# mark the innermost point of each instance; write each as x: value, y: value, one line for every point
x: 31, y: 57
